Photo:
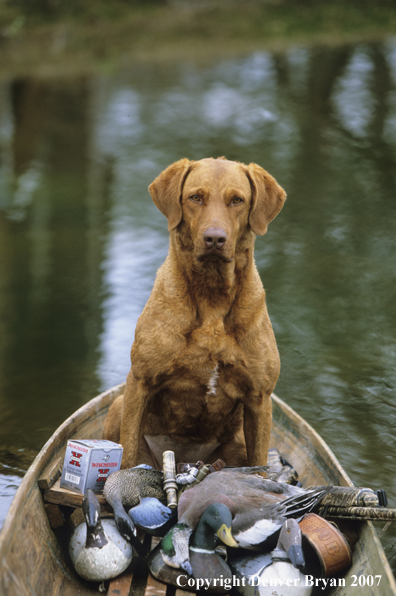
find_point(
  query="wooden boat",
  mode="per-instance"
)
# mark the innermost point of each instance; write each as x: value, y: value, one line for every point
x: 33, y: 560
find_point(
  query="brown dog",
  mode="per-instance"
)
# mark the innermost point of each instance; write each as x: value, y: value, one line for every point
x: 205, y: 360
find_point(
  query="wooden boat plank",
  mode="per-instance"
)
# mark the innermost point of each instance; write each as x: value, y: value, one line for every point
x: 153, y: 586
x: 32, y: 561
x: 51, y: 474
x: 121, y: 585
x: 306, y: 451
x: 55, y: 515
x: 43, y: 563
x: 301, y: 445
x: 62, y: 496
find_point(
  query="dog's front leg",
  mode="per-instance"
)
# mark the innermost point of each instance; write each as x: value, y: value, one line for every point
x: 134, y: 407
x: 257, y: 429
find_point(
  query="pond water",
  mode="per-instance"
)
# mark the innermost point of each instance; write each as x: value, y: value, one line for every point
x: 80, y: 239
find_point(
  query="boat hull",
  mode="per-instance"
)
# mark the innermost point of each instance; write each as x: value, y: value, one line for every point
x: 32, y: 562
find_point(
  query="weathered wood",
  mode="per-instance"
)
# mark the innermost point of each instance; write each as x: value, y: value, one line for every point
x: 55, y: 515
x: 180, y: 592
x: 51, y: 474
x: 32, y: 561
x: 153, y: 586
x: 76, y: 518
x: 121, y: 585
x: 316, y: 464
x: 63, y: 496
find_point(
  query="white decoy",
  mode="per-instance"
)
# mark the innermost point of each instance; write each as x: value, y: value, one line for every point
x: 97, y: 549
x: 257, y: 574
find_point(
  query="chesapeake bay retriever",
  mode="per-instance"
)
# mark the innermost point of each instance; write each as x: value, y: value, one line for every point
x: 204, y: 359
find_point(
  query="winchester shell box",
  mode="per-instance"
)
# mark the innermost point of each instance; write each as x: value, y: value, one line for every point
x: 88, y: 463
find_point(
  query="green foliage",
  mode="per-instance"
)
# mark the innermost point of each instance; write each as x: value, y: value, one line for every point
x: 39, y: 10
x: 50, y: 10
x: 102, y: 30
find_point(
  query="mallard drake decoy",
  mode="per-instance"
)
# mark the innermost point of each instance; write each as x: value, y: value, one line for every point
x: 259, y: 506
x: 125, y: 489
x: 197, y: 556
x: 97, y: 549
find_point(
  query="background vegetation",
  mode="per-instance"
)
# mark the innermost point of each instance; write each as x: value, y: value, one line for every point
x: 80, y: 33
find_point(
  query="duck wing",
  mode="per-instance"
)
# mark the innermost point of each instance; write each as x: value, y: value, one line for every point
x: 234, y: 489
x: 253, y: 526
x: 298, y: 505
x: 247, y: 496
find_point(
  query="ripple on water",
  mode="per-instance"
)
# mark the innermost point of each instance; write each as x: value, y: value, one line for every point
x: 13, y: 465
x: 8, y: 486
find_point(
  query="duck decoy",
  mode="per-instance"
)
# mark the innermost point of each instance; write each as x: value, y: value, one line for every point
x: 97, y: 549
x: 247, y: 567
x: 290, y: 541
x: 287, y: 563
x: 259, y: 506
x: 125, y: 489
x: 191, y: 473
x: 282, y: 567
x: 152, y: 516
x: 197, y: 557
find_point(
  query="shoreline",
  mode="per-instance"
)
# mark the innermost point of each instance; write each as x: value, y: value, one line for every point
x: 68, y: 46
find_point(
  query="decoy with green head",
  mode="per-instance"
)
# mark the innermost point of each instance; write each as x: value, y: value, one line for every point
x: 183, y: 549
x: 259, y: 507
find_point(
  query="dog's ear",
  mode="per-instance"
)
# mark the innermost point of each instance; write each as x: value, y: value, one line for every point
x: 166, y: 191
x: 267, y: 198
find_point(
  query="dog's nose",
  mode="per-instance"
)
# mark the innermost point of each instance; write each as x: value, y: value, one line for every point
x: 215, y: 238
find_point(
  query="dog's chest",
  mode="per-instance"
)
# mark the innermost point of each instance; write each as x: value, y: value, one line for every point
x: 213, y: 381
x: 213, y: 363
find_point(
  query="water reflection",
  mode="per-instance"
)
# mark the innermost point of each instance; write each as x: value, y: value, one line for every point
x: 80, y: 239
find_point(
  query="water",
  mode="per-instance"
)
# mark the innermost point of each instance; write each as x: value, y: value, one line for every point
x: 80, y: 239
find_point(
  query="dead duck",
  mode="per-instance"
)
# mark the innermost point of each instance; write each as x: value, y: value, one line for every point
x: 125, y: 489
x: 97, y: 549
x: 197, y: 557
x: 259, y: 506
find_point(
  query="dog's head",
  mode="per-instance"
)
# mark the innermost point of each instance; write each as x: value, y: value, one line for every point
x: 215, y: 203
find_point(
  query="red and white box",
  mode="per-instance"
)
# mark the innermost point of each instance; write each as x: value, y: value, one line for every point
x: 88, y: 463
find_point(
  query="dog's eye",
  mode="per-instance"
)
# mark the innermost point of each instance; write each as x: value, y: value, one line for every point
x: 237, y: 200
x: 195, y: 198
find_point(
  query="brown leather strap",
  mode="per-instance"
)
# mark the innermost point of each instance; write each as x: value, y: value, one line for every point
x: 329, y: 544
x: 218, y: 465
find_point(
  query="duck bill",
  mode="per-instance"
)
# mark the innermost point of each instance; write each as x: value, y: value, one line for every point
x: 224, y: 533
x: 186, y: 566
